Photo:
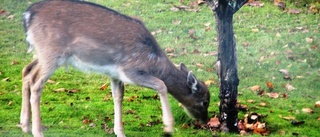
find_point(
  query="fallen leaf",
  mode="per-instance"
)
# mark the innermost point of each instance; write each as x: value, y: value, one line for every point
x: 285, y: 95
x: 280, y: 4
x: 184, y: 126
x: 60, y: 90
x: 92, y: 125
x: 255, y: 30
x: 51, y: 81
x: 207, y: 24
x: 214, y: 122
x: 270, y: 86
x: 273, y: 94
x: 245, y: 44
x: 262, y: 104
x: 294, y: 11
x: 261, y: 92
x: 174, y: 9
x: 255, y: 4
x: 10, y: 17
x: 9, y: 103
x: 104, y: 86
x: 209, y: 82
x: 4, y: 13
x: 289, y: 87
x: 14, y: 62
x: 287, y: 117
x: 73, y: 90
x: 6, y: 79
x: 255, y: 88
x: 195, y: 51
x: 260, y: 128
x: 284, y: 72
x: 242, y: 107
x: 169, y: 50
x: 199, y: 65
x: 251, y: 101
x: 176, y: 22
x: 317, y: 104
x: 309, y: 40
x: 307, y: 110
x: 130, y: 112
x: 171, y: 55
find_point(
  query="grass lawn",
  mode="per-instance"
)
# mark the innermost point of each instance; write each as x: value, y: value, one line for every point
x: 268, y: 40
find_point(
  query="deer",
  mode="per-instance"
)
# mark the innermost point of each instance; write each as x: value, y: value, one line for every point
x: 94, y: 38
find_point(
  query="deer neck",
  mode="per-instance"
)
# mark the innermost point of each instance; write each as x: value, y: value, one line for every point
x: 176, y: 82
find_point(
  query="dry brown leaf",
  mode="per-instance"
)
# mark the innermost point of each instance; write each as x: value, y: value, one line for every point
x: 245, y: 44
x: 14, y: 62
x: 270, y: 85
x: 104, y: 86
x: 176, y: 22
x: 199, y: 65
x: 262, y: 104
x: 255, y: 30
x: 6, y: 79
x: 10, y: 17
x: 60, y: 90
x: 308, y: 110
x: 209, y: 82
x: 251, y: 101
x: 169, y: 50
x: 9, y: 103
x: 294, y: 11
x: 195, y: 51
x: 184, y: 126
x: 4, y: 13
x: 130, y: 112
x: 289, y: 87
x: 73, y: 90
x: 287, y: 117
x: 260, y: 128
x: 284, y: 72
x: 51, y: 81
x: 214, y: 122
x: 317, y: 104
x: 309, y: 40
x: 174, y: 9
x: 255, y: 4
x: 255, y: 88
x: 171, y: 55
x: 273, y: 94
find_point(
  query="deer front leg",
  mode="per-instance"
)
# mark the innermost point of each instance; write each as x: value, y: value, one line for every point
x: 166, y: 111
x: 149, y: 81
x: 117, y: 88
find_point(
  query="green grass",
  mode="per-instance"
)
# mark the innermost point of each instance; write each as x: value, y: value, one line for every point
x: 63, y: 113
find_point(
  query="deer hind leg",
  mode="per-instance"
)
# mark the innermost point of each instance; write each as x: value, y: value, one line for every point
x: 146, y: 80
x: 117, y: 88
x: 25, y: 107
x: 38, y: 78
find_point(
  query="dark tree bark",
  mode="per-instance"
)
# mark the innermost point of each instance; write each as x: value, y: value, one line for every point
x: 227, y: 61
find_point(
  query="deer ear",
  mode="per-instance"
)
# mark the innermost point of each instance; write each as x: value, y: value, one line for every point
x: 183, y: 67
x: 192, y: 82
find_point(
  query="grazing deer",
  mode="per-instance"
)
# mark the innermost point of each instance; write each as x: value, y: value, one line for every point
x: 94, y: 38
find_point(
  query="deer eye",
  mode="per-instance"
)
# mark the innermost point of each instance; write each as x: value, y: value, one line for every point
x: 205, y: 104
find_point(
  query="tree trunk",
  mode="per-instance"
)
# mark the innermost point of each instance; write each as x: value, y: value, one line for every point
x: 227, y: 62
